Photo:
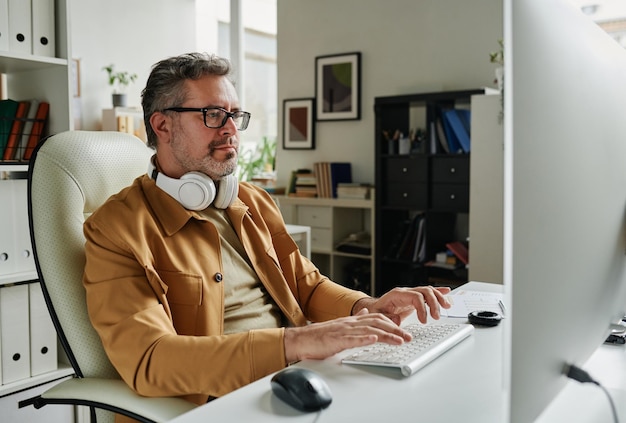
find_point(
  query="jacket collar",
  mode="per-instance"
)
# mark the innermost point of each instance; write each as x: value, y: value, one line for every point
x: 171, y: 215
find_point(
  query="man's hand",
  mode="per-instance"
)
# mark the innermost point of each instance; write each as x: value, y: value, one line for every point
x: 399, y: 303
x: 322, y: 340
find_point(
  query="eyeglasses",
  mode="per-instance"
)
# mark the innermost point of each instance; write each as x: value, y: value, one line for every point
x: 216, y: 117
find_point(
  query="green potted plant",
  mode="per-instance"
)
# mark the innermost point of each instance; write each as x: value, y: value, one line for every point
x: 119, y: 81
x: 257, y: 163
x: 497, y: 57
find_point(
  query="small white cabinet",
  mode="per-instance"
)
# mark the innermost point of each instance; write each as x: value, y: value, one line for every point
x: 333, y: 221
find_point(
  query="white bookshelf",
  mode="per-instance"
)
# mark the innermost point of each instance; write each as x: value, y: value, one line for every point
x: 25, y: 77
x: 332, y: 220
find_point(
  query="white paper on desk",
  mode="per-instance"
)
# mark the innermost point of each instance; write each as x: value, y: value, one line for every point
x: 464, y: 302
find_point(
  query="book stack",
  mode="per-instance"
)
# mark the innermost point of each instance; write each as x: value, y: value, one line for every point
x: 353, y: 190
x: 22, y: 125
x: 329, y: 175
x: 305, y: 184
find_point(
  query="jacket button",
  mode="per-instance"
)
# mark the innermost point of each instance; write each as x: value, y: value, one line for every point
x: 218, y: 277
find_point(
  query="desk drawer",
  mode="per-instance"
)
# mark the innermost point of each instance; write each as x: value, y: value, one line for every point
x: 315, y: 216
x: 407, y: 195
x: 452, y: 170
x: 321, y: 239
x: 450, y: 197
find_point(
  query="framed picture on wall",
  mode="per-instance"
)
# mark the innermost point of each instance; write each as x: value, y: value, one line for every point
x: 299, y: 124
x: 338, y: 86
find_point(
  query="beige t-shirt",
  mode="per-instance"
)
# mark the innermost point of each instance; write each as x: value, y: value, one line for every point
x: 247, y: 304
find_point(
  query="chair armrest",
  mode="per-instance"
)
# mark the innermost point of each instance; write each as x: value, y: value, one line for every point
x: 114, y: 395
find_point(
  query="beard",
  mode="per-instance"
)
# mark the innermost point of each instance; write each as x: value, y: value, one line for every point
x: 209, y: 165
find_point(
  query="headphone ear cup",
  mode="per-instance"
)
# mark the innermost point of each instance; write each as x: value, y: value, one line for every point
x: 196, y: 191
x: 227, y: 192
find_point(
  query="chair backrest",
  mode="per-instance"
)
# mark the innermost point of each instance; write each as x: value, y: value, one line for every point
x: 70, y: 175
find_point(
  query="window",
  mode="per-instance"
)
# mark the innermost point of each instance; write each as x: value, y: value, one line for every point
x: 259, y: 94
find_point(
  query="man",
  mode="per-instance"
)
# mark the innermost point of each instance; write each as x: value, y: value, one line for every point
x: 192, y: 281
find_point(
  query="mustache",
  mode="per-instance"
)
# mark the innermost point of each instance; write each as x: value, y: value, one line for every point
x: 225, y: 141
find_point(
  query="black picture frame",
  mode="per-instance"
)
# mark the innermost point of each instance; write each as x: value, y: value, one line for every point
x: 299, y: 124
x: 338, y: 86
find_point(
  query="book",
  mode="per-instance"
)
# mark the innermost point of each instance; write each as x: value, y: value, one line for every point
x: 326, y: 180
x: 459, y: 250
x: 454, y: 146
x: 317, y: 170
x: 37, y: 131
x: 291, y: 185
x: 466, y: 119
x: 412, y: 240
x: 460, y: 133
x: 339, y: 172
x: 322, y: 172
x: 443, y: 140
x: 28, y: 127
x: 419, y: 251
x: 8, y: 108
x: 15, y: 133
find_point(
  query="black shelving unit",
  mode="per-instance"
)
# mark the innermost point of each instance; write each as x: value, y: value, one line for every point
x: 427, y: 182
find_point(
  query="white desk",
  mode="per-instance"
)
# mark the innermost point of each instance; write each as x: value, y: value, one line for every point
x: 463, y: 385
x: 301, y: 236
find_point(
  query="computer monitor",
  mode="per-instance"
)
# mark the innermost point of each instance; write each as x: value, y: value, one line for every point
x: 565, y: 195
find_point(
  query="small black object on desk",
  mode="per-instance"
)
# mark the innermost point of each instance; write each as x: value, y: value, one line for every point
x: 484, y: 318
x: 301, y: 388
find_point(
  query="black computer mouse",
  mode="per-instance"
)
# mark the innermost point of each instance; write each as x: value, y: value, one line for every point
x: 301, y: 388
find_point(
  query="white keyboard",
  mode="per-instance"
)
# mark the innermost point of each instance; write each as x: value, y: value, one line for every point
x: 428, y: 343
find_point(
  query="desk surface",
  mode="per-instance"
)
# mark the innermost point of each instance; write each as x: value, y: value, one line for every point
x: 465, y: 384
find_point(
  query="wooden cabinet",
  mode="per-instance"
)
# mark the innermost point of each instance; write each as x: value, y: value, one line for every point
x: 342, y: 243
x: 423, y: 200
x: 25, y: 77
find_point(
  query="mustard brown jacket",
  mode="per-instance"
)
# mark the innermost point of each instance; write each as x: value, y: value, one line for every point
x: 154, y: 287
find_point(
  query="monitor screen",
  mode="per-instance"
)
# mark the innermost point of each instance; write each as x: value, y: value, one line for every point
x: 564, y: 195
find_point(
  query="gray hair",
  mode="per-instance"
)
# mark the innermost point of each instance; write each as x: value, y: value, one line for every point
x: 165, y: 86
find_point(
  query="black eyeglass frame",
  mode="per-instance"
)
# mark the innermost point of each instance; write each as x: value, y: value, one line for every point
x: 227, y: 114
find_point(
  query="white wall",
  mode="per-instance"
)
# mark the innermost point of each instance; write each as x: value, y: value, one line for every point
x: 133, y: 35
x: 407, y: 46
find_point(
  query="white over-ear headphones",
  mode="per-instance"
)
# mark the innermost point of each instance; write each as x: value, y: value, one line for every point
x: 195, y: 190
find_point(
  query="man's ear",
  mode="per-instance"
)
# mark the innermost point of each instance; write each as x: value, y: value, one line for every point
x: 162, y: 126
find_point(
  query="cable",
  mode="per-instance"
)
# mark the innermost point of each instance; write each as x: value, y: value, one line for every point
x: 578, y: 374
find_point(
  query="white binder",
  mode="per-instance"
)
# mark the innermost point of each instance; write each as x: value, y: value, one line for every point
x: 43, y: 27
x: 4, y: 25
x: 24, y: 259
x: 20, y: 28
x: 14, y: 333
x: 7, y: 240
x: 43, y: 337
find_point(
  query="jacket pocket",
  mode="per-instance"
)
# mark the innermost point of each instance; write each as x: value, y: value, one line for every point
x: 182, y: 288
x: 183, y: 299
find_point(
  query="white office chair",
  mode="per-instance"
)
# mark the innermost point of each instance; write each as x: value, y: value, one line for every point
x: 70, y: 175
